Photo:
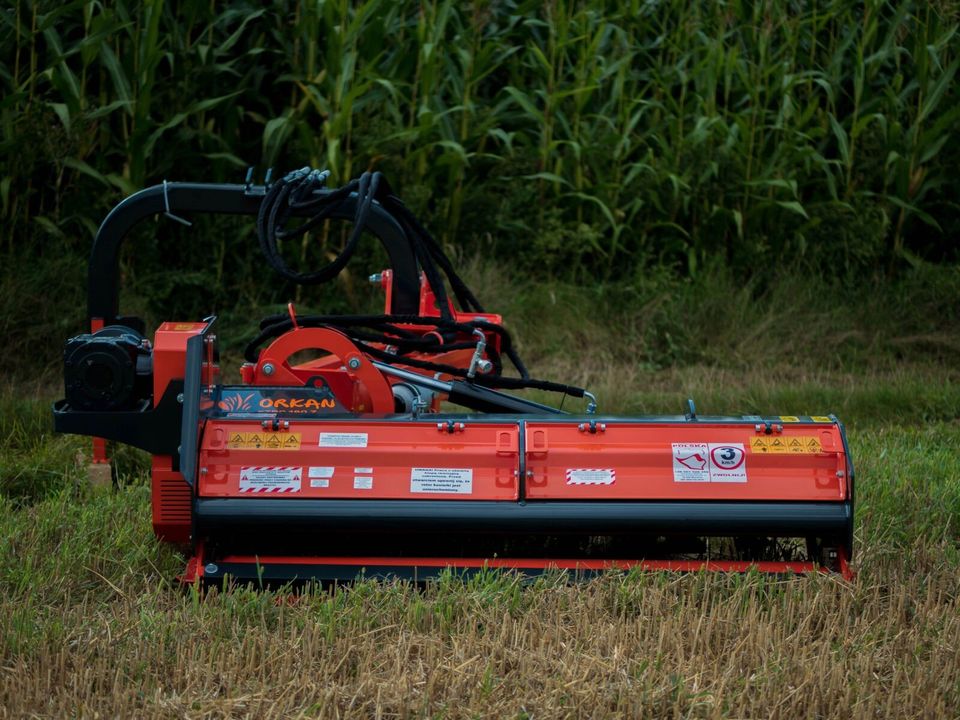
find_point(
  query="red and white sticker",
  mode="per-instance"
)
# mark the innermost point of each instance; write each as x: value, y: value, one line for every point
x: 709, y: 462
x: 728, y: 463
x: 591, y: 476
x: 262, y: 479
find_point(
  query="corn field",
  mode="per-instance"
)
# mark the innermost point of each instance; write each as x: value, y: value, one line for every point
x: 580, y: 139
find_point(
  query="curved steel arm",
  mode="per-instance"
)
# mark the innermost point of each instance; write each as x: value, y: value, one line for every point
x: 103, y: 279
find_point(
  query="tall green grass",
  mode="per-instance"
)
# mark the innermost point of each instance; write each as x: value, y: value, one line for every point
x: 588, y: 138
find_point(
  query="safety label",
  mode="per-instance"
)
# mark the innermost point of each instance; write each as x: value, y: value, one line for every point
x: 441, y: 480
x: 270, y: 479
x: 591, y: 476
x: 709, y: 462
x: 728, y: 463
x: 353, y: 440
x: 789, y: 418
x: 780, y: 444
x: 690, y: 462
x: 319, y: 482
x: 263, y: 441
x: 821, y: 418
x: 363, y: 483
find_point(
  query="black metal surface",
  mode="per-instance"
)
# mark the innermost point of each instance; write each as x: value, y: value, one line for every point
x: 850, y: 484
x: 272, y: 574
x: 192, y: 388
x: 486, y: 400
x: 156, y: 430
x: 774, y: 519
x: 103, y: 285
x: 110, y: 369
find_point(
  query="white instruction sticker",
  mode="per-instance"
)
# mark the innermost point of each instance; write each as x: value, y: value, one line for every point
x: 591, y: 476
x: 441, y: 480
x: 319, y: 472
x: 363, y: 471
x: 728, y: 463
x: 709, y: 462
x: 319, y: 482
x: 343, y: 440
x: 270, y: 479
x: 363, y: 483
x: 690, y: 462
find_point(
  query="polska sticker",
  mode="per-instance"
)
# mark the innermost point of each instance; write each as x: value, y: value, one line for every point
x: 690, y: 462
x: 709, y: 462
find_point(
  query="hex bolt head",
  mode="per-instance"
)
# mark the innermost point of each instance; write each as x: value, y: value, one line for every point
x: 354, y: 363
x: 210, y: 568
x: 268, y: 369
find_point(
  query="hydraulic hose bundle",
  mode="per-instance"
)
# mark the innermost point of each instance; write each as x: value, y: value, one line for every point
x: 298, y: 192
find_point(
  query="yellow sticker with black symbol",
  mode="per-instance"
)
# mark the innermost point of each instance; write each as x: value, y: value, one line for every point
x: 821, y: 418
x: 789, y: 418
x: 783, y: 445
x: 263, y: 441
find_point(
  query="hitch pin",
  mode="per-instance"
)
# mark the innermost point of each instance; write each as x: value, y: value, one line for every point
x: 291, y: 311
x: 166, y: 206
x: 478, y: 362
x: 592, y: 405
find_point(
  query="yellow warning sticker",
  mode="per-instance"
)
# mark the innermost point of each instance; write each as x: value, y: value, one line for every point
x: 789, y: 418
x: 821, y: 418
x: 793, y: 444
x: 263, y: 441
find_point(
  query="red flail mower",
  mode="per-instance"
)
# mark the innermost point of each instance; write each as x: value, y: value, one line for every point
x: 356, y: 463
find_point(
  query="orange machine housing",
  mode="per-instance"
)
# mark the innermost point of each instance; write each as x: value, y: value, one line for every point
x: 353, y: 463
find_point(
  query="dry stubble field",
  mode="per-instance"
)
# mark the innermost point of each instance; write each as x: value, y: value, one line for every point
x: 91, y: 625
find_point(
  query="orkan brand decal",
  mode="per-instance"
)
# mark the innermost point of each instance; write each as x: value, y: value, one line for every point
x: 307, y: 401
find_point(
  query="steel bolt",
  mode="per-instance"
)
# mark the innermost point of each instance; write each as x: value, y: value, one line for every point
x: 354, y: 363
x: 210, y: 568
x: 268, y: 369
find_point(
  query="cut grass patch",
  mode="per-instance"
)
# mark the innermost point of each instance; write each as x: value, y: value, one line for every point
x: 91, y: 622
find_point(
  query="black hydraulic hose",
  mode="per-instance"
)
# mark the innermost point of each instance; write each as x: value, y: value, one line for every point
x: 298, y: 192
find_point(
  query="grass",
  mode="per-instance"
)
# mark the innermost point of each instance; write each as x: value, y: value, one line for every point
x: 90, y: 622
x: 592, y: 137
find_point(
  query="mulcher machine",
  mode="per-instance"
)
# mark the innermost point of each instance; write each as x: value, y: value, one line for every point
x: 357, y: 463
